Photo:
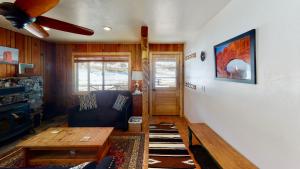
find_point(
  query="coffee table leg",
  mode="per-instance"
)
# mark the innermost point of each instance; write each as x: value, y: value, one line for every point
x: 26, y: 157
x: 104, y: 150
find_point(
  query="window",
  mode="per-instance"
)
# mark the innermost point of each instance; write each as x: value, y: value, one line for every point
x: 165, y: 72
x: 101, y: 73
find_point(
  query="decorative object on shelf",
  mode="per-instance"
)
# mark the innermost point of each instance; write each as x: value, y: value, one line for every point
x: 191, y: 56
x: 7, y: 84
x: 24, y: 66
x: 235, y: 59
x: 137, y: 76
x: 190, y: 85
x: 203, y: 56
x: 9, y: 55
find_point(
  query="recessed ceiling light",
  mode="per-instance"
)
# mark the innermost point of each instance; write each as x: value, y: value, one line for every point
x: 46, y: 28
x: 106, y: 28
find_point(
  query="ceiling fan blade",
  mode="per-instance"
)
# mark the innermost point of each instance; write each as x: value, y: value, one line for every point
x: 36, y: 8
x: 63, y: 26
x: 36, y: 30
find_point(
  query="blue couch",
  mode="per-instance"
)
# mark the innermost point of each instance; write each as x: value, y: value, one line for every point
x: 104, y: 115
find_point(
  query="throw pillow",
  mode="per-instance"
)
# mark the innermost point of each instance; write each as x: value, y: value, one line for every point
x: 120, y: 102
x: 87, y: 102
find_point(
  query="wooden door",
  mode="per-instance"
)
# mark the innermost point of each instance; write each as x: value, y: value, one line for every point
x: 165, y: 83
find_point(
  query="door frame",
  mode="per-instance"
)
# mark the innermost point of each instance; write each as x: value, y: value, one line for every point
x: 179, y: 83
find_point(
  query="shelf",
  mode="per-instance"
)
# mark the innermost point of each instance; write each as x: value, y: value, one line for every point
x: 15, y: 106
x: 11, y: 90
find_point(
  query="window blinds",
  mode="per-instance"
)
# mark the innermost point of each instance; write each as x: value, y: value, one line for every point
x: 106, y: 58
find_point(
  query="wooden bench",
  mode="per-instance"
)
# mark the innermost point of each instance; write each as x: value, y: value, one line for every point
x: 223, y: 153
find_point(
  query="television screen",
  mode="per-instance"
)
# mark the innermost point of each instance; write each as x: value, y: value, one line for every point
x: 9, y: 55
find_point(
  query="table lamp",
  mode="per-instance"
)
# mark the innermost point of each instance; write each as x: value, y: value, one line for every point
x: 137, y: 75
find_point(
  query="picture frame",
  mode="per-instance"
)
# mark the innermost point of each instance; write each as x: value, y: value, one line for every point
x: 9, y: 55
x: 235, y: 59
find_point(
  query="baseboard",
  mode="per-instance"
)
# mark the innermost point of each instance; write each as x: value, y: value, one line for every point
x: 186, y: 119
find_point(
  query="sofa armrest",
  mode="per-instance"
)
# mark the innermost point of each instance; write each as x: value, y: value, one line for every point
x: 74, y: 109
x: 71, y: 112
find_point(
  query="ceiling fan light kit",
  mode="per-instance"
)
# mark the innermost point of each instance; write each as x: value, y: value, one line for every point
x: 16, y: 16
x: 46, y: 28
x: 25, y: 14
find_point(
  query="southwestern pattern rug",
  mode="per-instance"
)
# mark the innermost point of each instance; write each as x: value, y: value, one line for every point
x: 166, y: 148
x: 128, y: 151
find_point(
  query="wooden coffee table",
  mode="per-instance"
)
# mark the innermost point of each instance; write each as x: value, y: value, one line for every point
x: 67, y: 146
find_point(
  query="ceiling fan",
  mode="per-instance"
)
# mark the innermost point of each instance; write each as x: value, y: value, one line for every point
x: 26, y: 14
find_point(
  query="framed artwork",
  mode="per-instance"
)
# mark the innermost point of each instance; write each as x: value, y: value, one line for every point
x: 9, y: 55
x: 235, y: 59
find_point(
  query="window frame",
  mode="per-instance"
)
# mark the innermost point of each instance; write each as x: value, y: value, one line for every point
x: 98, y: 54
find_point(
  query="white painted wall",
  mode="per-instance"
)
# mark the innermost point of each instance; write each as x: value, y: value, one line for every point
x: 261, y: 121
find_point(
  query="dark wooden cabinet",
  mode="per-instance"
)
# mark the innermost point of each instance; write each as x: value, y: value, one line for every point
x: 137, y: 105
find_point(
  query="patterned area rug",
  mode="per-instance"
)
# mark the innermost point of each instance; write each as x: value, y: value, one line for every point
x: 166, y: 148
x: 128, y: 151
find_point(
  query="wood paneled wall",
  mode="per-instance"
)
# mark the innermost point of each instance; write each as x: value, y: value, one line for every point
x: 49, y: 72
x: 64, y: 66
x: 134, y: 49
x: 31, y: 50
x: 64, y: 83
x: 166, y: 47
x: 53, y: 61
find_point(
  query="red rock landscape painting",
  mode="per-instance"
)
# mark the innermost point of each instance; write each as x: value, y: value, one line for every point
x: 9, y: 55
x: 233, y: 58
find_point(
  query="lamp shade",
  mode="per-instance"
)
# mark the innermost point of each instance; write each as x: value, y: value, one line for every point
x: 137, y: 75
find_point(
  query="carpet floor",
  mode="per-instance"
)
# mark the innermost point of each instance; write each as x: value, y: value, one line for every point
x: 166, y: 148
